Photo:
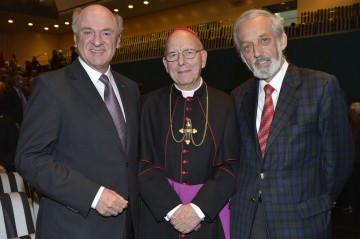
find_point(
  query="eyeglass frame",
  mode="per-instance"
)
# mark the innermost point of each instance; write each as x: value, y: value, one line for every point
x: 182, y: 53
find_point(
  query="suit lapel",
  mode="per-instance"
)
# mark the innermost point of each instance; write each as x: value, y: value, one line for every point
x: 286, y: 104
x: 250, y: 109
x: 86, y: 89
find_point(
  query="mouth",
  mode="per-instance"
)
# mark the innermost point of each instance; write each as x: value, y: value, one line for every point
x: 183, y: 72
x: 97, y: 51
x: 261, y: 62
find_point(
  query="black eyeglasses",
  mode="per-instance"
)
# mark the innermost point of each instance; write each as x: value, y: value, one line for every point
x: 187, y: 53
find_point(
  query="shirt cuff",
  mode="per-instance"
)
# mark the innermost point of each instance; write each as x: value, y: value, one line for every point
x: 168, y: 216
x: 198, y: 211
x: 97, y: 197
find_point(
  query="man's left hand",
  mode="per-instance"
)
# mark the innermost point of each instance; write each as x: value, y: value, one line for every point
x: 185, y: 219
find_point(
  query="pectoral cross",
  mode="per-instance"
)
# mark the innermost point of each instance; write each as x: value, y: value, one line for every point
x: 188, y: 131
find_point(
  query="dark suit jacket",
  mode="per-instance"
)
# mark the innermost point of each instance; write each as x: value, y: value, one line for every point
x: 309, y: 156
x: 69, y: 147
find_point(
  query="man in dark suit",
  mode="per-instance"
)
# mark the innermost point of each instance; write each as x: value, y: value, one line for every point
x: 15, y: 98
x: 71, y: 148
x: 296, y: 146
x: 9, y: 133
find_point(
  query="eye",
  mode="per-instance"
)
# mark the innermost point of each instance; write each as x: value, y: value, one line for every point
x: 107, y: 33
x: 246, y: 47
x: 86, y: 32
x: 172, y: 54
x: 189, y: 52
x: 264, y: 40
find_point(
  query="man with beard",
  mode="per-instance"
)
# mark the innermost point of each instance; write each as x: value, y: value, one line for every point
x: 296, y: 146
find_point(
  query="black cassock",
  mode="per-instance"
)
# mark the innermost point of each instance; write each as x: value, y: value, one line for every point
x: 212, y: 161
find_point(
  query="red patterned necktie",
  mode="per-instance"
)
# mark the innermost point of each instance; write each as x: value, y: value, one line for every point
x: 113, y: 106
x: 266, y: 118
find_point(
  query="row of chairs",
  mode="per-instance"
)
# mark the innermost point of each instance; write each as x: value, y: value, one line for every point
x: 19, y: 205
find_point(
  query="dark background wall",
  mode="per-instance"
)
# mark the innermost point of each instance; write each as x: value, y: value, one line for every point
x: 337, y: 54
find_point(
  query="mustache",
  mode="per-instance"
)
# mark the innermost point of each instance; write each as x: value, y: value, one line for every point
x: 261, y: 58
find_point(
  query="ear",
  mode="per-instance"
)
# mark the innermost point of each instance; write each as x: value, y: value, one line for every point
x: 203, y: 58
x: 165, y: 64
x: 118, y: 41
x: 75, y: 40
x: 283, y: 41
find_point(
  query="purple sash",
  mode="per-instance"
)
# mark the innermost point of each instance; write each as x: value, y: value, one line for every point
x: 188, y: 192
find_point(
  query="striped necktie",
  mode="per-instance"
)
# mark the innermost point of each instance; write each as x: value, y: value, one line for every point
x: 266, y: 118
x: 113, y: 106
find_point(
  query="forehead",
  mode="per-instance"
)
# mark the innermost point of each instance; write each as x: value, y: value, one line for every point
x: 182, y: 40
x: 97, y: 18
x: 254, y: 28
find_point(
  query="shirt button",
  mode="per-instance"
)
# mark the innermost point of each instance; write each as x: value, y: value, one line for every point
x: 262, y: 175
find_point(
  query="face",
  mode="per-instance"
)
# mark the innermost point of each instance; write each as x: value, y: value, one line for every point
x: 185, y: 72
x: 260, y: 49
x: 97, y: 37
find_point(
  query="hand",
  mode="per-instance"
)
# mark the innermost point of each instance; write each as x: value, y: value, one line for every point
x: 2, y: 169
x: 185, y: 219
x: 111, y: 203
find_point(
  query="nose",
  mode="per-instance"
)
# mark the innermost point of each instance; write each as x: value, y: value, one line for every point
x: 97, y: 39
x: 257, y: 50
x: 181, y: 59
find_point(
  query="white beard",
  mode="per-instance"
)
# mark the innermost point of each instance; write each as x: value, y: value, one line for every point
x: 269, y: 71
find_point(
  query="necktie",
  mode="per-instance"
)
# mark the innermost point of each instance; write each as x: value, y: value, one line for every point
x: 266, y: 118
x: 113, y: 106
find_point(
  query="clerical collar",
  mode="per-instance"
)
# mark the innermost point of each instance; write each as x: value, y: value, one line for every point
x: 189, y: 93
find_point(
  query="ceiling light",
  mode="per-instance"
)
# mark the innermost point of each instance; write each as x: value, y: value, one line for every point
x: 67, y: 23
x: 46, y: 28
x: 130, y: 6
x: 146, y: 2
x: 116, y: 10
x: 30, y: 24
x: 56, y: 26
x: 10, y: 21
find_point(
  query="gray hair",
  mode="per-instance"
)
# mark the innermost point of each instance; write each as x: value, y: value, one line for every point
x: 277, y: 25
x: 78, y: 11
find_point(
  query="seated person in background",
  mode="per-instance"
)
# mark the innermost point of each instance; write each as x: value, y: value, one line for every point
x: 9, y: 133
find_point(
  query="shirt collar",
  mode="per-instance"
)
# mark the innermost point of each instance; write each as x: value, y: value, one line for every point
x: 94, y: 74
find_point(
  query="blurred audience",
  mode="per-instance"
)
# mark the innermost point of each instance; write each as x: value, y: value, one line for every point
x: 15, y: 97
x: 74, y: 54
x: 9, y: 133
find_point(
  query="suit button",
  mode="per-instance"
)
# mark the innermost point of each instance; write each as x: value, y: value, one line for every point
x: 184, y: 173
x: 262, y: 175
x: 127, y: 164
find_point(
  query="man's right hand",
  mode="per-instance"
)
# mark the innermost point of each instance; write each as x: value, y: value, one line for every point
x: 111, y: 203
